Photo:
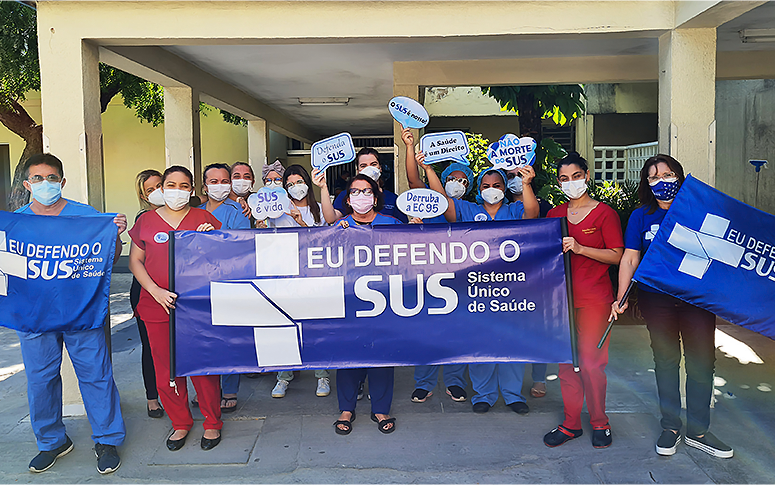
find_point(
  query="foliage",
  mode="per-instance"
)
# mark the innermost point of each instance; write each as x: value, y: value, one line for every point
x: 144, y: 97
x: 548, y: 152
x: 623, y: 198
x: 19, y: 69
x: 561, y: 103
x: 477, y: 157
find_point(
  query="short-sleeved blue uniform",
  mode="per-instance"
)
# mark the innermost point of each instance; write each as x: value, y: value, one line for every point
x: 42, y: 356
x: 389, y: 209
x: 641, y: 229
x: 229, y: 216
x: 471, y: 212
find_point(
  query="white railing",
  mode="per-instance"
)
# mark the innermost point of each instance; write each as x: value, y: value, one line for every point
x: 622, y: 163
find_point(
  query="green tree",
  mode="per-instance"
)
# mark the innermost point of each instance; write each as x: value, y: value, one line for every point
x: 20, y: 74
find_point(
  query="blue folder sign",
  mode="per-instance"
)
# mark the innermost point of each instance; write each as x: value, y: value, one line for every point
x: 310, y: 298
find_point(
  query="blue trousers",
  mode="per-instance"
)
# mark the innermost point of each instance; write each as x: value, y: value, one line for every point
x: 427, y: 376
x: 380, y: 388
x: 230, y: 384
x: 488, y: 378
x: 42, y: 355
x: 538, y: 372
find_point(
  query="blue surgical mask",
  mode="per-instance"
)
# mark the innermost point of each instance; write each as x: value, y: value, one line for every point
x: 46, y: 193
x: 665, y: 190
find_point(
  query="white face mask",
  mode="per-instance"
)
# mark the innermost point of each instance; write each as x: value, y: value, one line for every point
x: 176, y: 199
x: 492, y: 195
x: 515, y: 185
x: 298, y: 191
x: 218, y: 192
x: 156, y: 197
x: 575, y: 188
x: 372, y: 172
x: 455, y: 189
x: 241, y: 186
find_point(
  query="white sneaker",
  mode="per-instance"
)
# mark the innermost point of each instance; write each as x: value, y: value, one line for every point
x: 324, y: 388
x: 280, y: 388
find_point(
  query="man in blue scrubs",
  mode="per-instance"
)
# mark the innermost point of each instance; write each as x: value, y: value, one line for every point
x: 88, y: 349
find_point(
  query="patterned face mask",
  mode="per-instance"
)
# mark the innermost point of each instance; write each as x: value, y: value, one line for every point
x: 665, y: 189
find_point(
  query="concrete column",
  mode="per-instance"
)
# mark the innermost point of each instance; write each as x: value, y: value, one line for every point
x: 258, y: 147
x: 687, y: 99
x: 399, y: 164
x: 182, y: 140
x: 72, y: 131
x: 585, y: 139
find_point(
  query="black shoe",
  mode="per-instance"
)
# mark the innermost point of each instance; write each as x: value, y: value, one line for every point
x: 156, y: 413
x: 108, y: 460
x: 175, y: 445
x: 601, y: 436
x: 420, y: 395
x: 560, y: 435
x: 667, y: 444
x: 209, y: 444
x: 46, y: 459
x: 710, y: 445
x: 457, y: 393
x: 481, y: 407
x: 519, y: 407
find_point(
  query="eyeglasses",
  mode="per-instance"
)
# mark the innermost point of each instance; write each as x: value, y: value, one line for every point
x: 291, y: 184
x: 361, y: 191
x: 53, y: 178
x: 463, y: 181
x: 278, y: 180
x: 664, y: 176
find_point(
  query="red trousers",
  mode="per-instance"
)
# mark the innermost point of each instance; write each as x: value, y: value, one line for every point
x: 591, y: 381
x: 208, y: 388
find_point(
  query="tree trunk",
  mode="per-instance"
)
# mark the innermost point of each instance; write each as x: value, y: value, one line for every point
x: 529, y: 117
x: 20, y: 122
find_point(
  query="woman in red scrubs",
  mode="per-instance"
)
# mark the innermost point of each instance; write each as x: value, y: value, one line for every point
x: 595, y: 241
x: 149, y: 262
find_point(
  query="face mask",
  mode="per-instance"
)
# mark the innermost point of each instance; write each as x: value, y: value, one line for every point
x: 156, y: 197
x: 372, y: 172
x: 492, y: 195
x: 46, y: 192
x: 176, y: 199
x: 218, y: 192
x: 298, y: 191
x: 241, y: 186
x: 575, y: 188
x: 515, y: 185
x: 665, y: 190
x: 455, y: 189
x: 272, y: 184
x: 362, y: 203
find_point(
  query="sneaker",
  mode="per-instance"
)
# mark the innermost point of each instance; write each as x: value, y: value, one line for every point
x: 46, y: 459
x: 107, y: 458
x: 710, y: 445
x: 280, y: 388
x: 519, y: 407
x: 457, y: 393
x: 481, y: 407
x: 421, y: 395
x: 601, y: 436
x: 360, y: 391
x: 324, y: 388
x: 560, y: 435
x: 667, y: 444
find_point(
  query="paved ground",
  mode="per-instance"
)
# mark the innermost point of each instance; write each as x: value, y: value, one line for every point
x: 292, y: 440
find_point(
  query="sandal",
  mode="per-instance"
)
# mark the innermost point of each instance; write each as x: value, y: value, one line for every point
x: 383, y: 425
x: 348, y: 425
x: 538, y: 393
x: 229, y: 409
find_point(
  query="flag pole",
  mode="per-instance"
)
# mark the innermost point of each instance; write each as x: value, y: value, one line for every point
x: 171, y: 246
x: 611, y: 320
x: 569, y: 290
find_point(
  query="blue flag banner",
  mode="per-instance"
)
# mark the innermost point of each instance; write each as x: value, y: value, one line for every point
x: 320, y: 298
x: 717, y: 253
x: 55, y: 271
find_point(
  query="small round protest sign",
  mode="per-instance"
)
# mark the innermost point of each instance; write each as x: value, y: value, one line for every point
x: 269, y: 203
x: 512, y: 152
x: 334, y: 150
x: 408, y: 112
x: 422, y: 203
x: 448, y: 145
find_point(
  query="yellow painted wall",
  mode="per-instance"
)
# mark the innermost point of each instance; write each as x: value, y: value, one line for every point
x: 130, y: 146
